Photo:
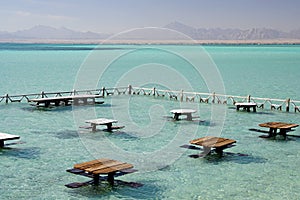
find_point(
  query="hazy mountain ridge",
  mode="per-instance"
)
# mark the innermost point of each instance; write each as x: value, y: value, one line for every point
x: 232, y: 34
x: 46, y: 32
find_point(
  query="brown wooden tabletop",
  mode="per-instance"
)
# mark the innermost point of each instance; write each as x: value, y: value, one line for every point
x: 209, y: 142
x: 278, y: 125
x: 103, y: 166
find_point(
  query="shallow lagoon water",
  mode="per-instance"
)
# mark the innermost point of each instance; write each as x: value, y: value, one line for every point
x: 51, y: 142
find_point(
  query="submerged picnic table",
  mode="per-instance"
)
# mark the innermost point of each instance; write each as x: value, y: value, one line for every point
x: 187, y: 112
x: 67, y: 100
x: 210, y: 142
x: 94, y: 168
x: 273, y: 126
x: 246, y: 106
x: 103, y: 121
x: 5, y: 136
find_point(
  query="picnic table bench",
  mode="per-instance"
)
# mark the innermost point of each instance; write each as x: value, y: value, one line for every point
x: 273, y: 126
x: 5, y: 136
x: 102, y: 121
x: 209, y: 142
x: 187, y: 112
x: 95, y: 168
x: 246, y: 106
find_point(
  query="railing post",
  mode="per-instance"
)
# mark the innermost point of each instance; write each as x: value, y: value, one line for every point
x: 248, y: 98
x: 181, y: 95
x: 287, y: 105
x: 103, y: 91
x: 6, y: 98
x: 129, y: 89
x: 154, y: 91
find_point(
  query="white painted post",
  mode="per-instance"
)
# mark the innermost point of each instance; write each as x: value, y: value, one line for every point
x: 248, y: 98
x: 6, y: 98
x: 287, y: 105
x: 129, y: 89
x: 181, y: 95
x: 103, y: 91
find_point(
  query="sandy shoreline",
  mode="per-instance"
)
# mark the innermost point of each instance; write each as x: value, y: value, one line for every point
x: 178, y: 42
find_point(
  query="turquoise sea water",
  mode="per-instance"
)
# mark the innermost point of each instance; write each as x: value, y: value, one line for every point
x: 255, y: 168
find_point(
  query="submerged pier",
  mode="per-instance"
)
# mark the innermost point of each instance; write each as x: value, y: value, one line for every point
x: 288, y: 105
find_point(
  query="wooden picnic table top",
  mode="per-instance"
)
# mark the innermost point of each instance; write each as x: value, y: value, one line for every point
x: 278, y: 125
x: 103, y: 166
x: 101, y: 121
x: 6, y: 136
x: 65, y: 97
x: 211, y: 141
x: 183, y: 111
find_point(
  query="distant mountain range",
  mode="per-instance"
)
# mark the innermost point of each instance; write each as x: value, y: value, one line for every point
x: 45, y: 32
x: 233, y: 34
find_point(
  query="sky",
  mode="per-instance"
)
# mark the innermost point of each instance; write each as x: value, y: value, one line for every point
x: 113, y: 16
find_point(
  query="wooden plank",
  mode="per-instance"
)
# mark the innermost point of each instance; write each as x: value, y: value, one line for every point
x: 207, y: 141
x: 88, y: 164
x: 100, y: 166
x: 210, y: 141
x: 77, y: 184
x: 278, y: 125
x: 270, y: 124
x: 224, y: 143
x: 199, y: 140
x: 114, y: 168
x: 289, y: 126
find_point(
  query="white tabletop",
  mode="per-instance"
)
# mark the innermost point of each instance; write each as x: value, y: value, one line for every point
x: 183, y: 111
x: 5, y: 136
x: 65, y: 97
x: 101, y: 121
x: 246, y: 104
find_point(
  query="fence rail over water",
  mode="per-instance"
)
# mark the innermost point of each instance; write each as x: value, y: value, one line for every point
x: 179, y: 95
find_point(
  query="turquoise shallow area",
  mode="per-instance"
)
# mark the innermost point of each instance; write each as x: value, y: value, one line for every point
x: 51, y: 141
